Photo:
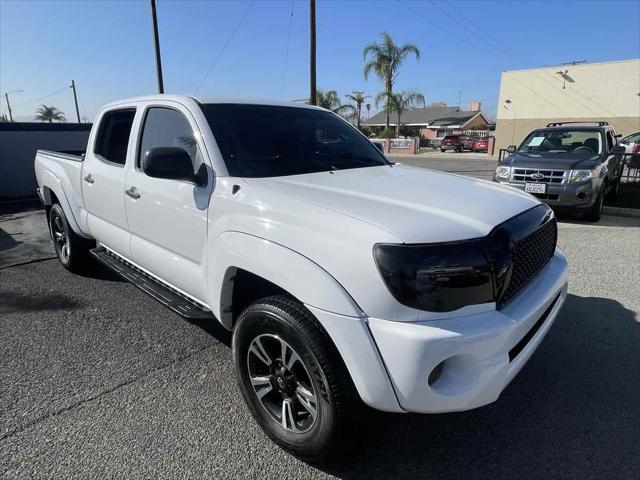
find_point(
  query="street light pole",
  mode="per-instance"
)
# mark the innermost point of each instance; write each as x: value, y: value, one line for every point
x: 156, y: 43
x: 75, y: 99
x: 312, y: 53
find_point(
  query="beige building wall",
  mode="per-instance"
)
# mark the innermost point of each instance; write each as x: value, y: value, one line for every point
x: 530, y: 99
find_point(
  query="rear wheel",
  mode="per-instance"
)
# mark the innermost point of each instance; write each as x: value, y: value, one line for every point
x: 292, y: 378
x: 72, y: 250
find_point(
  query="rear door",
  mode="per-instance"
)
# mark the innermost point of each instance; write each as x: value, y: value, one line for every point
x: 168, y: 218
x: 103, y: 175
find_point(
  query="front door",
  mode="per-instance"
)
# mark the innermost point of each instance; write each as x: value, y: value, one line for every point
x: 168, y: 218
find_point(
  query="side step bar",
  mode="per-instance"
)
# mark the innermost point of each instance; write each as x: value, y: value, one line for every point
x: 175, y: 301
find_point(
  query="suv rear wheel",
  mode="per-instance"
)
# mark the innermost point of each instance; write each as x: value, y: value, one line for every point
x: 292, y: 378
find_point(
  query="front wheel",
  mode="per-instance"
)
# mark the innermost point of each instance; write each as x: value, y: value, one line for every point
x: 292, y: 378
x: 595, y: 212
x: 72, y: 250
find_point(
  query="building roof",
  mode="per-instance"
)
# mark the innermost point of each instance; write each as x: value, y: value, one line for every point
x: 428, y: 116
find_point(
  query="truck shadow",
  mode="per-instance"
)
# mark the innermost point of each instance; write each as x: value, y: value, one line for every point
x: 571, y: 412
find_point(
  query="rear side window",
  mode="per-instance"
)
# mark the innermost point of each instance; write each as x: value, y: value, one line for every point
x: 113, y: 135
x: 165, y: 127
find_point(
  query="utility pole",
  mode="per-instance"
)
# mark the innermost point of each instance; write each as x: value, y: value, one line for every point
x: 6, y: 96
x: 156, y: 43
x: 459, y: 98
x: 75, y: 99
x: 312, y: 52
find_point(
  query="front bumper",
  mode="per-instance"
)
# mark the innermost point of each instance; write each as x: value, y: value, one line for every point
x: 391, y: 362
x: 475, y: 356
x: 572, y: 195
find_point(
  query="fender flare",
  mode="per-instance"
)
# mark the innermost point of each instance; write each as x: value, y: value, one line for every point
x: 51, y: 183
x: 286, y: 268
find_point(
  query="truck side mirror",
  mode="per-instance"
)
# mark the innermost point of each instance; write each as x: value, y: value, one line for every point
x: 172, y: 163
x: 511, y: 148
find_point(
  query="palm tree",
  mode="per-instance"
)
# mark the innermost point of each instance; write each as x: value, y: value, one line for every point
x: 404, y: 101
x: 384, y: 58
x: 358, y: 98
x: 330, y: 100
x: 49, y: 114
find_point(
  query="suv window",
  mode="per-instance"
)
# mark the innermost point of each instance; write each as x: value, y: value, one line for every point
x: 610, y: 141
x: 579, y: 142
x: 113, y: 135
x: 166, y: 127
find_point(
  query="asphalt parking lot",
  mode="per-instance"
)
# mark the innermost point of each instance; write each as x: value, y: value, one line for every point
x: 99, y: 380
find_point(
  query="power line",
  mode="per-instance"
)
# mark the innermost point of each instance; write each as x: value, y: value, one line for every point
x: 41, y: 98
x: 286, y: 50
x: 233, y: 33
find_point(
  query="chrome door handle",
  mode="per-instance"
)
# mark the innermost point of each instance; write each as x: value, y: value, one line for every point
x: 133, y: 193
x: 89, y: 179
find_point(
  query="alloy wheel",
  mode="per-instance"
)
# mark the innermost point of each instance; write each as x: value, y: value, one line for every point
x: 60, y: 238
x: 282, y: 383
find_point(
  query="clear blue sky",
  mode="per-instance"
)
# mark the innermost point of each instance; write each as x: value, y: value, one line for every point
x: 106, y: 46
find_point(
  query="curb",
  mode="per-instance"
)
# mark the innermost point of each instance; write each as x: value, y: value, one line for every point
x: 621, y: 212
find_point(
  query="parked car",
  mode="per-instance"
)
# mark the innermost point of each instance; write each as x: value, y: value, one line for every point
x: 631, y: 143
x: 458, y: 143
x: 566, y: 165
x: 480, y: 144
x: 345, y: 279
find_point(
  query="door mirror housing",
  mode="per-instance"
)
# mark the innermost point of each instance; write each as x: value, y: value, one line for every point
x: 618, y: 150
x: 172, y: 163
x: 511, y: 148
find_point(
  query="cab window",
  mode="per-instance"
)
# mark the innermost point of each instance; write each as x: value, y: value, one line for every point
x: 166, y: 127
x: 112, y: 140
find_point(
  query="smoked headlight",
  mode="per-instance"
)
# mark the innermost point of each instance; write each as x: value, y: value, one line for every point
x: 437, y: 277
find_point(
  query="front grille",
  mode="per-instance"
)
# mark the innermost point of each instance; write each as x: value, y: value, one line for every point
x: 524, y: 175
x: 529, y: 255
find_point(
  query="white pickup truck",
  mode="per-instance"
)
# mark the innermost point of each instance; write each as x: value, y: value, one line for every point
x: 345, y: 278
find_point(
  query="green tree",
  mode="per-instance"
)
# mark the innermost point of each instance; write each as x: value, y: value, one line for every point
x: 403, y: 101
x: 358, y: 98
x: 50, y: 114
x: 330, y: 100
x: 384, y: 58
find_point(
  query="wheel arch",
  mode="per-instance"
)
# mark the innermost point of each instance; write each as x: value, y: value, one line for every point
x: 53, y: 192
x: 240, y: 259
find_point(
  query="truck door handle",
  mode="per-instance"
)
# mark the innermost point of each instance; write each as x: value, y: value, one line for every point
x: 133, y: 193
x: 89, y: 179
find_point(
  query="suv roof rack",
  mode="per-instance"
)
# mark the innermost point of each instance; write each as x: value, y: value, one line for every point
x: 557, y: 124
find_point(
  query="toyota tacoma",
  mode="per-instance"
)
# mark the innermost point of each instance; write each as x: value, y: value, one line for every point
x: 345, y: 279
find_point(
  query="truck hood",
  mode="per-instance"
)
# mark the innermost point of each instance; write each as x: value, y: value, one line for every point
x: 413, y: 204
x: 557, y: 162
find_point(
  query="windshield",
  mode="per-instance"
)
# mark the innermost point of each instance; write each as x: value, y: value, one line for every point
x: 271, y: 141
x: 579, y: 142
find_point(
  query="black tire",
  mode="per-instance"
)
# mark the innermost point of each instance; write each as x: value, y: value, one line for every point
x: 595, y: 212
x: 442, y: 150
x: 72, y: 250
x: 267, y: 324
x: 615, y: 189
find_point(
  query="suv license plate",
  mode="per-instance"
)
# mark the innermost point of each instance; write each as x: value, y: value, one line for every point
x: 535, y: 187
